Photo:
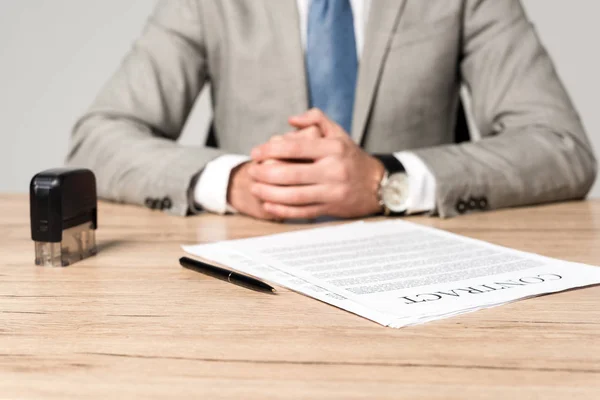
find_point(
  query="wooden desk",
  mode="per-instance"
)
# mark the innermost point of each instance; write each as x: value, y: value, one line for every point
x: 131, y: 323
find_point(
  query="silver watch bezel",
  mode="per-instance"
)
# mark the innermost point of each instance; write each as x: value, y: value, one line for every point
x: 385, y: 181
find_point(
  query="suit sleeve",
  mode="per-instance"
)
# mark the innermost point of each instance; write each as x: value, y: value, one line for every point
x: 533, y: 148
x: 128, y: 136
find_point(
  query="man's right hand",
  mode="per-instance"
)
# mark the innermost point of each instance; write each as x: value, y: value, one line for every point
x: 241, y: 198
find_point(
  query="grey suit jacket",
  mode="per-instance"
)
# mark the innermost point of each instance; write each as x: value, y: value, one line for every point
x: 416, y: 56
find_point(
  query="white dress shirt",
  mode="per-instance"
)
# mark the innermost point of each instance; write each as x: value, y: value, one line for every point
x: 211, y: 190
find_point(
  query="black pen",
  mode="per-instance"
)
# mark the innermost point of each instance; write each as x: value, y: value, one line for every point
x: 226, y: 275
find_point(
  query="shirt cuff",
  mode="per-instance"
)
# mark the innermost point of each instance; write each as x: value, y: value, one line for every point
x: 210, y: 192
x: 421, y: 183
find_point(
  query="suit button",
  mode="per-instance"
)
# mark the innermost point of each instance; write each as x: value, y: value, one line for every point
x: 461, y: 207
x: 483, y: 203
x: 149, y: 202
x: 166, y: 203
x: 156, y: 204
x: 473, y: 204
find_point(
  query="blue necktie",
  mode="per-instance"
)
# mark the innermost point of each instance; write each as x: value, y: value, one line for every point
x: 331, y: 60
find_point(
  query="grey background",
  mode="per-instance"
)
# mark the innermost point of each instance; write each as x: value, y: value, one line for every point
x: 55, y: 56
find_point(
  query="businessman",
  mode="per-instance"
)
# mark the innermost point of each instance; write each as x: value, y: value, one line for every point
x: 342, y: 108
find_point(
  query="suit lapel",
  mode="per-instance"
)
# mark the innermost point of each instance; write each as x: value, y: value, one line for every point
x: 383, y: 20
x: 288, y: 47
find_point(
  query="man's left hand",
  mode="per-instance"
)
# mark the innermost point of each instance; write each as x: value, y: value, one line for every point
x: 326, y: 174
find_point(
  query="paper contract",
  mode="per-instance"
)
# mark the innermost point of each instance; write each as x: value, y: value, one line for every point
x: 397, y: 273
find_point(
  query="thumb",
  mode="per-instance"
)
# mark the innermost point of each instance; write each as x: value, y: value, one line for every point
x: 313, y: 117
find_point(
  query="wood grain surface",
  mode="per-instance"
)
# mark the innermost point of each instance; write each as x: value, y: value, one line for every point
x: 131, y: 323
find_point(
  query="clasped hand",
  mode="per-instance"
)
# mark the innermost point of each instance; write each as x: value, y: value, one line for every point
x: 316, y: 170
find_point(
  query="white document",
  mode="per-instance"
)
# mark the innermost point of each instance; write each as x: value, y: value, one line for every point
x: 397, y: 273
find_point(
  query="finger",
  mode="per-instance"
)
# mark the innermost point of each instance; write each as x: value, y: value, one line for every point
x: 295, y: 212
x: 268, y: 162
x: 291, y: 195
x: 298, y: 149
x: 312, y: 132
x: 282, y: 173
x: 314, y: 116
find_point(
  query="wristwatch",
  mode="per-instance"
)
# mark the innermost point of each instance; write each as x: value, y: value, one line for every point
x: 393, y: 188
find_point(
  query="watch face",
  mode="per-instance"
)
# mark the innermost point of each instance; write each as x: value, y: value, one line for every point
x: 395, y: 192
